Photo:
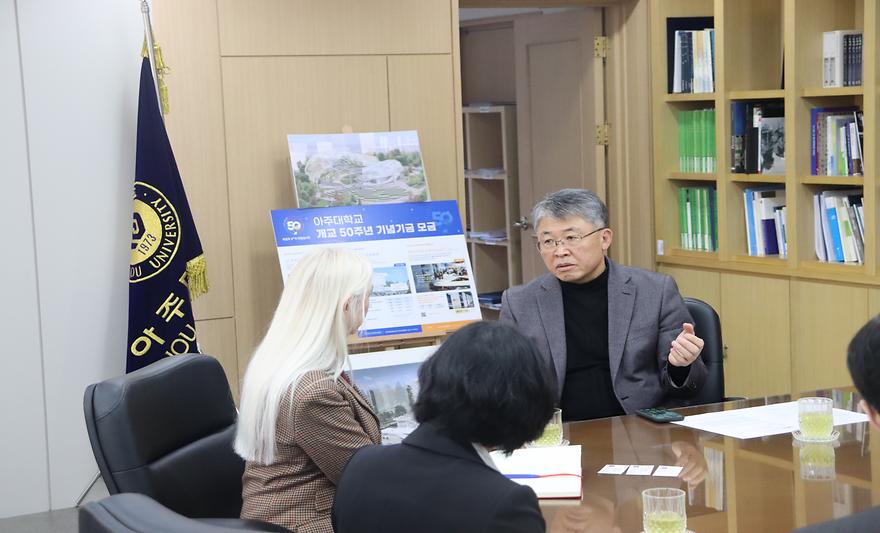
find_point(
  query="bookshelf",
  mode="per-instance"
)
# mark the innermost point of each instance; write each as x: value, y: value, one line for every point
x: 492, y: 198
x: 779, y: 59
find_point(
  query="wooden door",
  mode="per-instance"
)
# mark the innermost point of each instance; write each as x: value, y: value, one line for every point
x: 560, y: 100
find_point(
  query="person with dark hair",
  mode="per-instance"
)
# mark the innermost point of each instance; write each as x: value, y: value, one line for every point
x: 619, y: 338
x: 486, y: 388
x: 863, y: 362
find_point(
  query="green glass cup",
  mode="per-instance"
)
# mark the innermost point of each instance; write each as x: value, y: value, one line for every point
x: 815, y: 418
x: 664, y: 510
x: 552, y: 435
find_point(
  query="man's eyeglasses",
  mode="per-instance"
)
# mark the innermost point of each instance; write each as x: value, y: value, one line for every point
x: 548, y: 244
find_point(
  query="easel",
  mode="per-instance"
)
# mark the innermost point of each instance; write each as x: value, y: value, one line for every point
x: 358, y: 345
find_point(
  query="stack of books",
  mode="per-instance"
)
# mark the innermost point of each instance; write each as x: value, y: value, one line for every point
x: 836, y: 141
x: 765, y: 215
x: 696, y: 141
x: 698, y: 218
x: 839, y: 226
x: 694, y: 61
x: 842, y: 58
x: 757, y: 144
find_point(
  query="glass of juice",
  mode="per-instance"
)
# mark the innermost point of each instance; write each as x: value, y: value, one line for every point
x: 815, y: 419
x: 664, y: 511
x: 552, y: 435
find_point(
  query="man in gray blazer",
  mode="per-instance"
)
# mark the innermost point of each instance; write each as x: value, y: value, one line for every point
x: 619, y: 338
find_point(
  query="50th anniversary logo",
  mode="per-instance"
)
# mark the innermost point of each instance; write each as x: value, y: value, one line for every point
x: 155, y: 233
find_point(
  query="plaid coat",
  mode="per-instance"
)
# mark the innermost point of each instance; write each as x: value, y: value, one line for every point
x: 320, y: 426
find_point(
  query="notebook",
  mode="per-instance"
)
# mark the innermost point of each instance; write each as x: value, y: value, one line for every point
x: 524, y: 466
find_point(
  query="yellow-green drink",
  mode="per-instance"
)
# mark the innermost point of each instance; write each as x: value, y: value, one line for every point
x: 816, y: 425
x: 552, y: 436
x: 664, y: 522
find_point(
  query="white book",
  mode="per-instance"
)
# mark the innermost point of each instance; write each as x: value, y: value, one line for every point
x: 780, y: 239
x: 768, y: 202
x: 553, y: 461
x: 846, y: 235
x: 819, y: 229
x: 833, y: 57
x: 676, y: 68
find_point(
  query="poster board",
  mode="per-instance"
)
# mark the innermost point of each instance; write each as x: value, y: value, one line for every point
x: 357, y: 168
x: 422, y: 276
x: 390, y: 380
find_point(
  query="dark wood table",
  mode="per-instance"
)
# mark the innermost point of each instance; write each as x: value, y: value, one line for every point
x: 758, y: 485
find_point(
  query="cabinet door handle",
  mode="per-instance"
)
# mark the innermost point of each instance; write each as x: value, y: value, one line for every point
x: 522, y: 223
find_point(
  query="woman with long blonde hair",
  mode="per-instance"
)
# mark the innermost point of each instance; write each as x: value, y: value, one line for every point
x: 301, y: 416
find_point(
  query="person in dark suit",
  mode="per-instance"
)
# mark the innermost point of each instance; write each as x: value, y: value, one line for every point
x: 485, y: 388
x: 863, y: 361
x: 619, y: 338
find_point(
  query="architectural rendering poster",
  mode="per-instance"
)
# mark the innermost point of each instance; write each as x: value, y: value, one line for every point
x: 357, y: 168
x: 390, y: 380
x: 422, y: 275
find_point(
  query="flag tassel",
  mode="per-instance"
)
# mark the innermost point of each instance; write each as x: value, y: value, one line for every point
x: 197, y: 276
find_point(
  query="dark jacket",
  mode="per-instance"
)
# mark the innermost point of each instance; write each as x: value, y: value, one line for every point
x: 430, y: 484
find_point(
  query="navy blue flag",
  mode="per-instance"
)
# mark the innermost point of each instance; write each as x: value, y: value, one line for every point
x: 167, y: 266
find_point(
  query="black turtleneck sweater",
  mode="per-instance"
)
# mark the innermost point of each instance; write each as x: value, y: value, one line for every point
x: 587, y: 392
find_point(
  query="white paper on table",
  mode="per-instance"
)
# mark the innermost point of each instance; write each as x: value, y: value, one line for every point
x: 760, y: 421
x: 640, y: 470
x: 543, y: 461
x: 613, y: 469
x: 668, y: 471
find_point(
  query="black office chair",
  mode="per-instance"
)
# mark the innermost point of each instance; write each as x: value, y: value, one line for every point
x: 166, y: 431
x: 137, y: 513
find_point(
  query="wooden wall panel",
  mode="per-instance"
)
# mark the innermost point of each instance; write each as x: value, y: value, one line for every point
x: 334, y: 27
x: 628, y: 99
x: 265, y: 99
x: 187, y: 32
x: 755, y: 323
x: 421, y: 97
x: 824, y: 317
x: 873, y: 302
x: 487, y: 64
x: 702, y: 284
x: 217, y: 338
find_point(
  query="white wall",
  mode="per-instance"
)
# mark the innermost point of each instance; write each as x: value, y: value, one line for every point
x: 67, y: 164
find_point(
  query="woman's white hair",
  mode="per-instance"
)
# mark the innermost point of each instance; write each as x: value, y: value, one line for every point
x: 322, y: 303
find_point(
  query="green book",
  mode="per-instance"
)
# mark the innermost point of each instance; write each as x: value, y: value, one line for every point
x: 697, y: 221
x: 682, y: 216
x: 682, y: 140
x: 713, y: 158
x: 707, y: 234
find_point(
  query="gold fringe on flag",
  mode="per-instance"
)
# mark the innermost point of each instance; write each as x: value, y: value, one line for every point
x: 197, y: 276
x: 161, y: 70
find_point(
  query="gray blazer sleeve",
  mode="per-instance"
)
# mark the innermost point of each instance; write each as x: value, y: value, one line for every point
x: 507, y: 316
x: 673, y: 314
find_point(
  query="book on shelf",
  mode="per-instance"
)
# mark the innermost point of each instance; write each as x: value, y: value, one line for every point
x: 842, y: 58
x: 837, y: 141
x: 839, y: 226
x: 490, y: 298
x: 690, y: 54
x: 696, y: 141
x: 765, y: 210
x: 698, y: 218
x: 757, y: 144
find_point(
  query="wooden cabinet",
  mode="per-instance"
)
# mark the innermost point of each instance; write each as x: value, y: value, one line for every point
x: 492, y: 199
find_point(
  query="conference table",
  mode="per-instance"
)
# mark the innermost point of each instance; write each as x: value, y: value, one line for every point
x: 763, y: 485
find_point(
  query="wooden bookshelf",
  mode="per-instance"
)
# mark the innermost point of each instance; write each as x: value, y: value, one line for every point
x: 692, y: 176
x: 767, y: 94
x: 690, y: 97
x: 799, y: 328
x: 492, y: 196
x: 818, y: 92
